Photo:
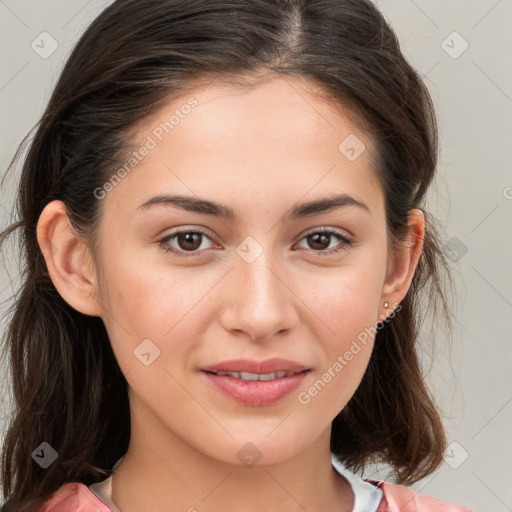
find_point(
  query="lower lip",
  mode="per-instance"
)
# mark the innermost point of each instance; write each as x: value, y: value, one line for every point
x: 256, y: 392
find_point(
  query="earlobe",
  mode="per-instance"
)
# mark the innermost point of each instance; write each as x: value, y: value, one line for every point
x: 68, y: 259
x: 405, y: 258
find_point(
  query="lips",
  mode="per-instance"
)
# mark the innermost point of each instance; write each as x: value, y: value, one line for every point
x: 256, y: 383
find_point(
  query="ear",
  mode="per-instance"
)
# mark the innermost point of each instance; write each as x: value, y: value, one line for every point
x: 68, y: 259
x: 404, y: 260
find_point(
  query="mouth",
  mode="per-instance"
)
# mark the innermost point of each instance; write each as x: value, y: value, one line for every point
x: 256, y: 383
x: 247, y: 376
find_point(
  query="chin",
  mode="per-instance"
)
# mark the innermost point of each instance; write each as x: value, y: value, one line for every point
x: 263, y: 449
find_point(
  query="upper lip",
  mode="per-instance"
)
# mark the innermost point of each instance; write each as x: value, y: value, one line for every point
x: 251, y: 366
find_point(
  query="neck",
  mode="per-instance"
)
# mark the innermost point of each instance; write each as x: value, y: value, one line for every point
x: 182, y: 478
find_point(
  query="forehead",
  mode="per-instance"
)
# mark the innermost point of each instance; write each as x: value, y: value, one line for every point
x: 282, y: 107
x: 266, y: 142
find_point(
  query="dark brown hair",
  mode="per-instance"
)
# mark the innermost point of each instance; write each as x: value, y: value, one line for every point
x: 68, y: 388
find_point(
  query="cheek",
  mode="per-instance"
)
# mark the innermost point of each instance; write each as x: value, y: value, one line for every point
x: 345, y: 299
x: 347, y: 303
x: 346, y: 351
x: 155, y: 311
x: 149, y: 299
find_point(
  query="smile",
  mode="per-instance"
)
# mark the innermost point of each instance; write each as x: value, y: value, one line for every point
x: 257, y: 376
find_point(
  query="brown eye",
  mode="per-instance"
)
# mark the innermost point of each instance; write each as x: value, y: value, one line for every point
x: 319, y: 241
x: 185, y: 241
x: 189, y: 241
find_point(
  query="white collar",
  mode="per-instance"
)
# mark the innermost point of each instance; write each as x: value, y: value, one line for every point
x: 367, y: 497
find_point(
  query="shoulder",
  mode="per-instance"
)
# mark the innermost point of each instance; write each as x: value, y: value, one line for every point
x: 73, y: 497
x: 400, y: 498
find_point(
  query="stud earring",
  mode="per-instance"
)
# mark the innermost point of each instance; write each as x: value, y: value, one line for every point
x: 386, y: 304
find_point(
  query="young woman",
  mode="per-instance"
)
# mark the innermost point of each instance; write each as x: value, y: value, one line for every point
x: 226, y: 245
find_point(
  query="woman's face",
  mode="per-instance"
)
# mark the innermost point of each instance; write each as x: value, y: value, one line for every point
x: 259, y: 283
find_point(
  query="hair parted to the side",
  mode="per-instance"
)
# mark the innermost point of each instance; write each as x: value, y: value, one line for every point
x: 67, y: 386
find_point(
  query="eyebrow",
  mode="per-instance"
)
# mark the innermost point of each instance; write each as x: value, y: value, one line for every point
x: 298, y: 211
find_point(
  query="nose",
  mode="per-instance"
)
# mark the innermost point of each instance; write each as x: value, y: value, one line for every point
x: 261, y: 302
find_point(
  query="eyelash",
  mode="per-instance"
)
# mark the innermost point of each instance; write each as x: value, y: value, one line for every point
x: 345, y: 244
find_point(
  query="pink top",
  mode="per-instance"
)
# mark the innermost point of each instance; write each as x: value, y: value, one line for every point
x: 369, y: 496
x: 77, y: 497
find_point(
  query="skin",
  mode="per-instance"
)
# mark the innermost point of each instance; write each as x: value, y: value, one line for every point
x: 259, y: 150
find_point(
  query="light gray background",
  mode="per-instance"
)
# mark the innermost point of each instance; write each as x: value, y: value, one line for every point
x: 472, y: 92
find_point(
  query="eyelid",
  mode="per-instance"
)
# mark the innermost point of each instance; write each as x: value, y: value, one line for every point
x: 326, y: 229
